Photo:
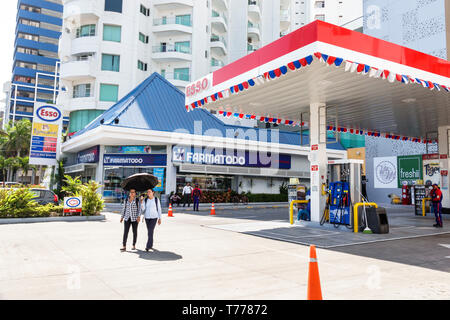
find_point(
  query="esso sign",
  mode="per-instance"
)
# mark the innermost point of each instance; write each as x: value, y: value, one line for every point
x: 48, y: 113
x: 197, y: 87
x: 73, y: 202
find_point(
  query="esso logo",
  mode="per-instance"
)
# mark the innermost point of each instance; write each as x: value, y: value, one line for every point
x: 197, y: 87
x: 73, y: 202
x: 48, y: 113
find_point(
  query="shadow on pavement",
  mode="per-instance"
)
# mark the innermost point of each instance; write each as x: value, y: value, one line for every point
x: 157, y: 255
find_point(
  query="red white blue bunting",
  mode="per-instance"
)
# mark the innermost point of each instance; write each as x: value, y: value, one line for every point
x: 350, y: 66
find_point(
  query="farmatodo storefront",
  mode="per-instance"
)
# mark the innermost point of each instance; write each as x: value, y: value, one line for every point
x: 157, y: 135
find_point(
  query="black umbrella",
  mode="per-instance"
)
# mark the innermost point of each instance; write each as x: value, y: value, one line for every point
x: 140, y: 182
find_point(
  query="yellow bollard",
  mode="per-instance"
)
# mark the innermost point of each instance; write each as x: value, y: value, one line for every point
x: 355, y: 212
x: 424, y: 201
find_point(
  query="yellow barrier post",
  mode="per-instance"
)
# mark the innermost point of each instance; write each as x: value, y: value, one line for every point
x: 424, y: 201
x: 291, y: 209
x: 355, y: 212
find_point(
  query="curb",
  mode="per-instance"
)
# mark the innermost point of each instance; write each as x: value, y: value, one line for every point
x: 51, y: 219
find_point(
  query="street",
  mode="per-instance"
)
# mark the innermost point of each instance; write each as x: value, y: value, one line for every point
x: 81, y: 260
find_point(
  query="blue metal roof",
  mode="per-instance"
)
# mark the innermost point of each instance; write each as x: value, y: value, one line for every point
x: 156, y: 104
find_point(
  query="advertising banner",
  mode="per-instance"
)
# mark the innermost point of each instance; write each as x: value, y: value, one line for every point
x: 431, y: 169
x: 45, y: 135
x: 385, y: 172
x: 231, y: 158
x: 90, y: 155
x: 159, y: 173
x: 410, y: 170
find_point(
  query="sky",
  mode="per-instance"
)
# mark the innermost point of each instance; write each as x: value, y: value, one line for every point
x: 8, y: 14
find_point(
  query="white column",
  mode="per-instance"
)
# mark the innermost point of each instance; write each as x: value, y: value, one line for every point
x: 99, y: 170
x: 318, y: 158
x: 444, y: 163
x: 171, y: 173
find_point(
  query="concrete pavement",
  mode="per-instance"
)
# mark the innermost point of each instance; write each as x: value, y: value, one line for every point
x: 81, y: 260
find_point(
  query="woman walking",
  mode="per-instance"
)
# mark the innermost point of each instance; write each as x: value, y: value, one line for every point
x: 151, y: 210
x: 130, y: 215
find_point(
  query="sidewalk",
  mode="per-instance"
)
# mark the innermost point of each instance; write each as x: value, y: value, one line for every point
x: 117, y: 207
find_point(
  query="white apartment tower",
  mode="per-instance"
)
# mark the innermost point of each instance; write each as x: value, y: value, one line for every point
x: 344, y: 13
x: 108, y: 47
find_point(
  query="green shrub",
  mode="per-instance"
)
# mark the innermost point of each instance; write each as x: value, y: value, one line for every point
x: 93, y: 202
x: 267, y: 197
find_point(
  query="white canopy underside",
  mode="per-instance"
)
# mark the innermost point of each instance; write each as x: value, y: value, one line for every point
x: 362, y: 102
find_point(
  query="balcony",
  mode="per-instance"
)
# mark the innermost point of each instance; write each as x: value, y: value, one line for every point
x: 85, y: 45
x: 253, y: 31
x: 218, y: 45
x: 219, y: 21
x: 70, y: 104
x: 285, y: 20
x: 76, y: 10
x: 252, y: 47
x: 172, y: 53
x: 254, y: 10
x: 166, y: 26
x: 173, y: 4
x: 78, y: 69
x: 180, y: 80
x: 220, y: 4
x: 216, y: 64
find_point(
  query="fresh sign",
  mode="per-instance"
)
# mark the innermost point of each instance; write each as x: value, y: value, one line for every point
x: 410, y: 170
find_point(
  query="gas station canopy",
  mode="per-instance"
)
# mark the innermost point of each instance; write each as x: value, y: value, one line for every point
x: 378, y: 87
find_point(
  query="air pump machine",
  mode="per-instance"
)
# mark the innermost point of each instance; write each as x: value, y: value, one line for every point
x: 343, y: 190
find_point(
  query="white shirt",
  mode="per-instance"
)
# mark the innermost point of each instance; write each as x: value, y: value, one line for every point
x: 151, y: 211
x: 187, y: 190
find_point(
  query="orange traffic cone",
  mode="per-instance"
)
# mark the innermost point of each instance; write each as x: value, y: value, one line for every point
x: 314, y: 290
x: 170, y: 213
x: 213, y: 211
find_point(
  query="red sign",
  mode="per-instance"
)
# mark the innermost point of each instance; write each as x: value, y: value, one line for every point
x: 315, y: 147
x: 430, y: 156
x: 443, y: 156
x: 314, y: 168
x: 444, y: 173
x: 197, y: 87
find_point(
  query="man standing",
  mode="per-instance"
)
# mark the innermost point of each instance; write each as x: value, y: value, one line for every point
x: 196, y: 194
x: 151, y: 210
x: 130, y: 214
x: 187, y: 190
x: 436, y: 198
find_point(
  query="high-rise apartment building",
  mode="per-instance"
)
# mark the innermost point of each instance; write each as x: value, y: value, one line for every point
x: 108, y: 47
x: 419, y: 25
x: 36, y: 60
x: 344, y: 13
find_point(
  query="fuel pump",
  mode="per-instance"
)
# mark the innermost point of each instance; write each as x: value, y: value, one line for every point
x: 344, y: 189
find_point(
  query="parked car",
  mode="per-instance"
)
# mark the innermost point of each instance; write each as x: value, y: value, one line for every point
x: 44, y: 196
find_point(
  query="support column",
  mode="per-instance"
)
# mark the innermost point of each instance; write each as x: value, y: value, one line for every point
x: 444, y: 164
x: 99, y: 170
x: 171, y: 172
x: 318, y: 158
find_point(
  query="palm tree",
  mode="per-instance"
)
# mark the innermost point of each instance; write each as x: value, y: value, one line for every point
x: 12, y: 164
x: 3, y: 169
x: 24, y: 165
x: 17, y: 138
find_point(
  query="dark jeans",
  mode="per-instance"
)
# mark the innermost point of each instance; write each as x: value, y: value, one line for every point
x: 437, y: 208
x: 172, y: 202
x: 196, y: 203
x: 187, y: 198
x: 127, y: 225
x: 151, y: 223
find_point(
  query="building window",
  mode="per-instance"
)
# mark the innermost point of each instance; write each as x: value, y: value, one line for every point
x: 28, y: 51
x: 320, y: 17
x: 82, y: 91
x: 142, y: 66
x: 113, y: 5
x: 30, y: 8
x: 183, y: 47
x: 27, y: 65
x: 30, y: 23
x: 143, y: 38
x: 184, y: 20
x: 28, y: 36
x: 145, y: 11
x: 86, y: 31
x: 112, y: 33
x: 109, y: 92
x: 181, y: 74
x: 110, y: 62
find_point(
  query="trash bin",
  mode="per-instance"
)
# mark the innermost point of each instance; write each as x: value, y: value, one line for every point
x: 377, y: 220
